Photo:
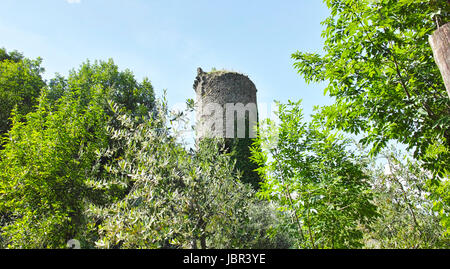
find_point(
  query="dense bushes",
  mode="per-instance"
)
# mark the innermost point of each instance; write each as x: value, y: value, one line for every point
x: 49, y: 157
x: 310, y: 173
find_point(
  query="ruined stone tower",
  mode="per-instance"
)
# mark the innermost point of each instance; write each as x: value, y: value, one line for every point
x: 226, y: 107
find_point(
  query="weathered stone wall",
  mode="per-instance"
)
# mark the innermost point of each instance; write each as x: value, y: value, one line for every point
x: 222, y: 87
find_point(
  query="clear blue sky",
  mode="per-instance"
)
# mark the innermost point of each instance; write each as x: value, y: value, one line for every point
x: 166, y: 40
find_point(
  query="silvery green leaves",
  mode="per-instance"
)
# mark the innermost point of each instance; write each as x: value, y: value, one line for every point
x: 173, y: 198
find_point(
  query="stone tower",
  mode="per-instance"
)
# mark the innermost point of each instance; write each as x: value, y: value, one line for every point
x: 226, y: 107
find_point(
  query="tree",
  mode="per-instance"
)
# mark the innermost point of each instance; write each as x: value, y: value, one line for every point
x: 175, y: 198
x: 381, y: 71
x: 407, y: 219
x: 439, y: 44
x: 50, y: 155
x: 44, y: 165
x: 98, y: 162
x: 13, y: 56
x: 310, y: 174
x: 20, y: 85
x: 119, y: 86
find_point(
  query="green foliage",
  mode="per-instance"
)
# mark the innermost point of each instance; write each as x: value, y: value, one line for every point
x: 118, y: 86
x: 311, y: 175
x: 174, y: 198
x: 13, y: 56
x: 239, y: 149
x: 43, y: 169
x: 387, y: 86
x: 408, y: 220
x: 440, y: 195
x: 52, y: 154
x: 380, y: 69
x: 97, y: 162
x: 20, y: 85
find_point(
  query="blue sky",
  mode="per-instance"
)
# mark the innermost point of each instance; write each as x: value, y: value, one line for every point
x: 166, y: 40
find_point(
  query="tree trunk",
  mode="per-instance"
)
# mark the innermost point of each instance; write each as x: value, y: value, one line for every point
x: 203, y: 242
x: 440, y: 43
x: 194, y: 244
